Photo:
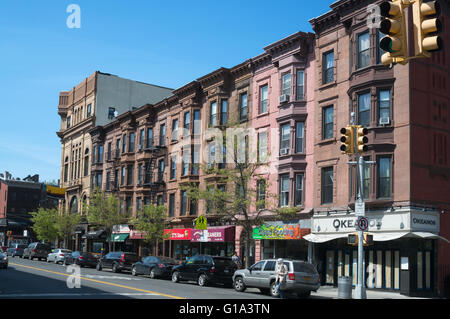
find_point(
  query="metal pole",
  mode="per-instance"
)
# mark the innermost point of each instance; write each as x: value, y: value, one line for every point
x: 360, y: 290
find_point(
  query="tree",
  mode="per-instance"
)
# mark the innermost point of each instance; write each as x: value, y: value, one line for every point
x: 104, y: 211
x: 44, y: 224
x: 65, y: 224
x: 240, y: 201
x: 151, y: 222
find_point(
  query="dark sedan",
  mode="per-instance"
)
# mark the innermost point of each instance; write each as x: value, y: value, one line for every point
x: 82, y: 259
x: 155, y: 267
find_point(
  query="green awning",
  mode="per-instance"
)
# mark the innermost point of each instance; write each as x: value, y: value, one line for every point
x: 119, y: 237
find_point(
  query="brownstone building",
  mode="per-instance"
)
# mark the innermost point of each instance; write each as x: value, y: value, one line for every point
x: 407, y: 190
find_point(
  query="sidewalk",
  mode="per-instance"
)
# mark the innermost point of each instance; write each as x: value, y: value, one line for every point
x: 332, y: 292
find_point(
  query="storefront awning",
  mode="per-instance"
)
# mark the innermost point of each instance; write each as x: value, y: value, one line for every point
x: 384, y: 236
x: 94, y: 234
x: 322, y: 238
x: 119, y: 237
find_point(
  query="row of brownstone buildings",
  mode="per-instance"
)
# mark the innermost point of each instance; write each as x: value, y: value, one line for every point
x: 143, y: 142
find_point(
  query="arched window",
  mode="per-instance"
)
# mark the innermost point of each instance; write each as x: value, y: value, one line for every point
x: 86, y: 162
x: 74, y: 205
x: 66, y: 168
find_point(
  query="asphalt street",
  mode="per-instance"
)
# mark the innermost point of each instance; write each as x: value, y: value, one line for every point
x: 38, y: 279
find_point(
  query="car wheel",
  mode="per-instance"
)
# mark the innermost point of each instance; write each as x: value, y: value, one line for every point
x: 152, y: 274
x: 239, y: 284
x: 202, y: 280
x: 65, y: 262
x: 133, y: 271
x: 56, y: 260
x: 99, y: 267
x: 114, y: 268
x: 274, y: 290
x: 304, y: 294
x: 176, y: 276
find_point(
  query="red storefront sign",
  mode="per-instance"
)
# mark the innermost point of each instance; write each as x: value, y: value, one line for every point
x: 178, y: 234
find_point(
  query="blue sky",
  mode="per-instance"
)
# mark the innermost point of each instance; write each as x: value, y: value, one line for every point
x: 168, y: 43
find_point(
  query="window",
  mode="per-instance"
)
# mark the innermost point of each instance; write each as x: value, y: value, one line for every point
x: 286, y: 84
x: 88, y: 110
x: 100, y: 154
x: 183, y: 203
x: 129, y: 174
x: 124, y: 144
x: 141, y: 138
x: 328, y: 67
x: 109, y: 151
x: 99, y: 180
x: 298, y: 196
x: 86, y: 165
x: 175, y: 130
x: 173, y: 167
x: 366, y: 180
x: 285, y: 139
x: 224, y: 112
x: 284, y: 190
x: 384, y: 177
x: 186, y: 123
x: 197, y: 123
x: 328, y: 122
x: 162, y: 135
x: 160, y: 200
x: 262, y: 147
x: 117, y: 148
x: 261, y: 194
x: 122, y: 178
x: 149, y: 137
x: 363, y: 50
x: 116, y: 179
x: 185, y: 164
x: 299, y: 137
x: 364, y: 109
x: 243, y: 107
x: 213, y: 114
x: 384, y: 106
x: 211, y: 154
x: 148, y: 173
x: 108, y: 181
x: 94, y: 153
x: 263, y: 99
x: 128, y: 204
x: 195, y: 159
x: 140, y: 173
x: 300, y: 85
x: 66, y: 167
x: 172, y: 205
x: 161, y: 168
x: 327, y: 185
x: 68, y: 122
x: 193, y: 207
x: 139, y: 204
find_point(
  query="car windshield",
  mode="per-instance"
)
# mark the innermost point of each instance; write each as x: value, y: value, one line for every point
x: 66, y: 251
x: 227, y: 262
x: 304, y: 267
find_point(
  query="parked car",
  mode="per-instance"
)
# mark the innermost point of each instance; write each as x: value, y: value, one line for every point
x: 80, y: 258
x: 117, y: 261
x: 57, y: 255
x: 3, y: 260
x: 37, y: 250
x: 154, y: 267
x: 302, y: 278
x: 206, y: 270
x: 16, y: 250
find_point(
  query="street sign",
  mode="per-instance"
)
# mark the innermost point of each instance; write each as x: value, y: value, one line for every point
x: 201, y: 223
x: 362, y: 224
x: 360, y: 208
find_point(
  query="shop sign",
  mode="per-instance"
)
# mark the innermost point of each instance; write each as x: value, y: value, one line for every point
x: 209, y: 235
x: 280, y: 230
x: 425, y: 222
x: 120, y: 229
x: 178, y: 234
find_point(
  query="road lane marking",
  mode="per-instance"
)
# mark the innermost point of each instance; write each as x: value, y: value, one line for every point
x: 101, y: 282
x: 112, y: 277
x: 57, y: 294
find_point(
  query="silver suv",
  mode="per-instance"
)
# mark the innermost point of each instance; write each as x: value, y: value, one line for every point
x: 302, y: 278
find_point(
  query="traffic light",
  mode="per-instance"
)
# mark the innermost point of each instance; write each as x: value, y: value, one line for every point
x: 352, y: 239
x: 394, y: 25
x: 368, y: 239
x: 347, y: 140
x: 361, y: 139
x: 427, y: 26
